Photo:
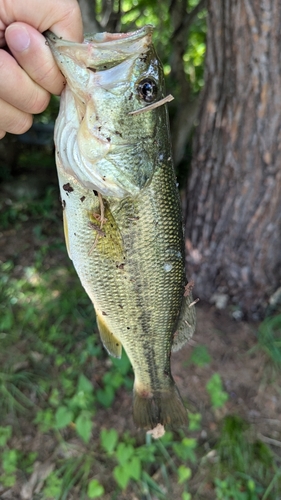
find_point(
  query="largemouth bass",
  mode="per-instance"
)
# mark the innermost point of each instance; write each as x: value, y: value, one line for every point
x: 121, y: 209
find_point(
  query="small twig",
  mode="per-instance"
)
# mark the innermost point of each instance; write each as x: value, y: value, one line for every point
x: 168, y: 98
x: 193, y: 303
x: 269, y: 440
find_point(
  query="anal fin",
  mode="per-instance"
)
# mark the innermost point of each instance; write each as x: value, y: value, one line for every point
x: 186, y: 323
x: 110, y: 342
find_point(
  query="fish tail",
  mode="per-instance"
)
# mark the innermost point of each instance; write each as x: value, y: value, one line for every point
x: 160, y: 407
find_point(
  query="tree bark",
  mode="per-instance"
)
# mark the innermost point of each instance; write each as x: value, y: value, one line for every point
x: 233, y: 212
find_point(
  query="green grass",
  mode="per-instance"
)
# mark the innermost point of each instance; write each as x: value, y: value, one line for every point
x: 269, y: 338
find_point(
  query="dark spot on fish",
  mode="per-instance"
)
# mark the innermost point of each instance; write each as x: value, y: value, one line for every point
x: 74, y: 234
x: 63, y: 204
x: 143, y: 58
x: 120, y: 266
x: 128, y: 328
x: 105, y: 67
x: 95, y: 192
x: 92, y: 69
x: 120, y: 305
x: 82, y: 199
x: 111, y: 225
x: 130, y: 96
x: 118, y: 133
x: 68, y: 188
x: 104, y: 313
x: 108, y: 139
x: 99, y: 128
x: 103, y: 177
x: 117, y: 345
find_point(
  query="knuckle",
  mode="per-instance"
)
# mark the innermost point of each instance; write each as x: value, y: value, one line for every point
x: 38, y: 101
x: 2, y: 134
x: 20, y: 123
x: 50, y: 78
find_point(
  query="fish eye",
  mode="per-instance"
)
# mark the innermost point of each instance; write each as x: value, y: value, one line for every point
x: 147, y: 89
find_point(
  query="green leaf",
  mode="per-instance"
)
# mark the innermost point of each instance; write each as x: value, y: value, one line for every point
x: 106, y: 396
x: 134, y: 468
x: 84, y: 384
x: 146, y: 453
x: 194, y: 421
x: 121, y: 476
x: 184, y: 474
x: 63, y: 417
x: 184, y: 450
x: 84, y: 426
x: 124, y: 453
x: 95, y: 489
x: 5, y: 434
x: 123, y: 364
x: 215, y: 389
x: 8, y: 480
x: 109, y: 439
x: 186, y: 496
x: 9, y: 461
x: 200, y: 356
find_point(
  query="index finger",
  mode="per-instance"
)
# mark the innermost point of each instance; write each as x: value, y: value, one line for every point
x: 62, y: 17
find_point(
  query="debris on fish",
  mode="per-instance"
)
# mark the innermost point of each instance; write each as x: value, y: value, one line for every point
x: 157, y: 432
x: 121, y: 209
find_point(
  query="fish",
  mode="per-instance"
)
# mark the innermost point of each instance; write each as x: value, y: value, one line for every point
x: 121, y: 209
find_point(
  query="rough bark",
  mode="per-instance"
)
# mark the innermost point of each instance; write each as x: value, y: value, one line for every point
x: 233, y: 214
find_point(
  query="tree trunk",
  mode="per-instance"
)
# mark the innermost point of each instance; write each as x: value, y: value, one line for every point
x: 233, y: 212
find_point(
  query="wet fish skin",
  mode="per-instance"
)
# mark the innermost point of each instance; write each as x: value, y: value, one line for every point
x: 122, y: 215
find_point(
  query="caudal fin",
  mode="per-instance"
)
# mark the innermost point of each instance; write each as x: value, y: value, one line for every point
x: 161, y: 407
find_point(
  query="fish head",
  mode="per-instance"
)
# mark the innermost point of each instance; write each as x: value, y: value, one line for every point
x: 103, y: 139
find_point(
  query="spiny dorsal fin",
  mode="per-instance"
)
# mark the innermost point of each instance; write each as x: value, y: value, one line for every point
x: 110, y: 342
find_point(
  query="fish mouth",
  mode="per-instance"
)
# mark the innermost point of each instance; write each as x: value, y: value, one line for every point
x: 100, y: 51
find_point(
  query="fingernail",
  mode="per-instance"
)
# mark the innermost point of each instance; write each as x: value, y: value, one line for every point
x: 18, y: 39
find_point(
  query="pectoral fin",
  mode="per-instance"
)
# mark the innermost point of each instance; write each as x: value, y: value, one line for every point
x: 110, y: 342
x: 186, y: 324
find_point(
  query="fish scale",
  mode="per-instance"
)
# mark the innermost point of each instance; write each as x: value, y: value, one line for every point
x: 122, y: 215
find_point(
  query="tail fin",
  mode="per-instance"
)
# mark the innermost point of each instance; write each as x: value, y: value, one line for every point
x: 162, y: 407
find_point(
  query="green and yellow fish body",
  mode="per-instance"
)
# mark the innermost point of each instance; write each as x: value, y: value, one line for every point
x: 121, y: 209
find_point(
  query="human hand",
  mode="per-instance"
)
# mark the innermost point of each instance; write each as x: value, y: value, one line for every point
x: 29, y: 73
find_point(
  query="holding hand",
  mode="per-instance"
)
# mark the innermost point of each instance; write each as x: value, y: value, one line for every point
x: 29, y: 74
